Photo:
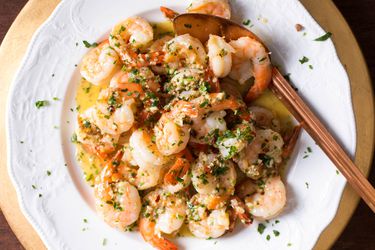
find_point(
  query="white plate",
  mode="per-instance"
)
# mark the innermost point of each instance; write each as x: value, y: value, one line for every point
x: 48, y: 71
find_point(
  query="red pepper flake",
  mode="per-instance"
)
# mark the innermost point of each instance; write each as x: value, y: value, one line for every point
x: 299, y: 27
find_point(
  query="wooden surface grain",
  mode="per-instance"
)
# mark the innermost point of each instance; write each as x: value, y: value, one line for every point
x: 359, y: 234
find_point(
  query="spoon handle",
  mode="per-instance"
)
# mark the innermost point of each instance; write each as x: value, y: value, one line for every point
x: 282, y: 89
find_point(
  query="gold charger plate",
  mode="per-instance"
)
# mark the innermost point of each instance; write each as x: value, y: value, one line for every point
x: 325, y: 12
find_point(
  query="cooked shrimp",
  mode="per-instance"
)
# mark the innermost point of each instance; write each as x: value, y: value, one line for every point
x: 184, y: 50
x: 92, y: 138
x: 219, y: 8
x: 172, y: 132
x: 144, y: 149
x: 204, y: 222
x: 187, y: 83
x: 132, y: 33
x: 136, y: 81
x: 265, y: 118
x: 251, y: 59
x: 270, y: 201
x: 163, y: 212
x: 144, y: 176
x: 205, y: 127
x: 260, y: 156
x: 213, y: 175
x: 100, y: 64
x: 114, y: 113
x: 117, y: 201
x: 178, y: 176
x: 220, y: 55
x: 235, y: 140
x: 216, y: 102
x: 156, y: 47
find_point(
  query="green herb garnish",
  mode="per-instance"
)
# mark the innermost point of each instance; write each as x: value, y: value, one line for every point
x: 324, y: 37
x: 42, y: 103
x: 89, y: 45
x: 303, y: 60
x: 261, y: 228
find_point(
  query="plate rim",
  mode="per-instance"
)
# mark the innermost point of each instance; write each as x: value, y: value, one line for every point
x: 51, y: 16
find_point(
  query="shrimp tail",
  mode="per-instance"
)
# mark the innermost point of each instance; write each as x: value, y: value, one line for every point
x: 230, y: 103
x: 291, y: 141
x: 147, y: 229
x: 168, y: 13
x: 241, y: 210
x: 260, y: 85
x: 177, y: 171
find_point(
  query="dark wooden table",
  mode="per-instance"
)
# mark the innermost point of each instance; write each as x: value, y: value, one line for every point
x: 359, y: 234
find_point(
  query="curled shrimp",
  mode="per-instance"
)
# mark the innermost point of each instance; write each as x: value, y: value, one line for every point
x: 132, y: 33
x: 114, y: 112
x: 268, y: 202
x: 92, y: 138
x: 184, y: 50
x: 251, y: 59
x: 219, y: 8
x: 220, y: 55
x: 213, y: 175
x: 204, y: 127
x: 207, y: 221
x: 100, y: 64
x: 163, y: 212
x: 235, y: 140
x: 148, y: 158
x: 172, y: 132
x: 116, y: 200
x: 144, y: 149
x: 260, y: 157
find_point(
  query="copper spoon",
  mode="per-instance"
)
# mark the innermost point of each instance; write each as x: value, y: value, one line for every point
x: 201, y: 26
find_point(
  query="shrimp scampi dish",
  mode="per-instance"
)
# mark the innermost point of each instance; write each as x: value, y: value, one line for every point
x: 168, y: 138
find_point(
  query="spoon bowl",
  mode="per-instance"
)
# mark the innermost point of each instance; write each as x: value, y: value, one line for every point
x: 202, y: 25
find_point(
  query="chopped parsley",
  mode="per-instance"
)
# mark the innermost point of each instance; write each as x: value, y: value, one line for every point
x: 276, y: 233
x: 89, y: 45
x: 307, y: 185
x: 204, y: 104
x: 41, y: 103
x: 324, y: 37
x: 85, y: 220
x: 188, y: 25
x: 246, y: 22
x: 104, y: 242
x: 56, y: 99
x: 261, y: 228
x: 304, y: 60
x: 311, y: 67
x: 49, y: 172
x: 219, y: 171
x: 74, y: 138
x: 268, y: 237
x: 223, y: 53
x: 33, y: 186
